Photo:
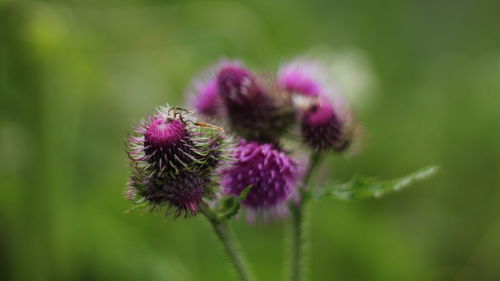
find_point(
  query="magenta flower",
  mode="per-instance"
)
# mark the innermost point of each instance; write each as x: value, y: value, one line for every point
x: 301, y: 77
x: 326, y: 125
x: 270, y: 172
x: 172, y: 160
x: 254, y: 112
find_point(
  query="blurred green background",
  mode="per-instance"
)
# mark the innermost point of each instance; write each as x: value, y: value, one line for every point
x: 424, y: 77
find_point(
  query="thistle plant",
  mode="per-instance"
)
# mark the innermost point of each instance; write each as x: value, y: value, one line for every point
x: 240, y: 147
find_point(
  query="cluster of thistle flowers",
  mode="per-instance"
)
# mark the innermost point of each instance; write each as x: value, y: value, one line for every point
x: 178, y: 159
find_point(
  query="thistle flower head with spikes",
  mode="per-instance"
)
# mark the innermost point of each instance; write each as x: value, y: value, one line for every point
x: 325, y: 121
x: 253, y: 110
x: 172, y: 158
x: 326, y: 125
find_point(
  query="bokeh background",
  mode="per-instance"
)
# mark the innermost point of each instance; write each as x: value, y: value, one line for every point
x: 423, y: 76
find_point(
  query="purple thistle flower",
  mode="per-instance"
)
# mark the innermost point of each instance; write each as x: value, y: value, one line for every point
x: 326, y: 125
x: 301, y: 76
x: 180, y: 196
x: 270, y: 172
x: 253, y: 112
x: 170, y: 142
x: 172, y: 159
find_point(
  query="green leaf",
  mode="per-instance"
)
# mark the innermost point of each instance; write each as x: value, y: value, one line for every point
x: 230, y: 208
x: 360, y: 187
x: 244, y: 193
x: 231, y: 205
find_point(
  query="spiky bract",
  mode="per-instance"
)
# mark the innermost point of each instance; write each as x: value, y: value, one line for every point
x: 179, y: 196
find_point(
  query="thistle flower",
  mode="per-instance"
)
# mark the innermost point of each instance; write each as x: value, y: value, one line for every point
x: 172, y: 141
x: 180, y: 196
x: 172, y: 160
x: 301, y: 76
x: 270, y: 172
x: 253, y: 112
x: 326, y: 125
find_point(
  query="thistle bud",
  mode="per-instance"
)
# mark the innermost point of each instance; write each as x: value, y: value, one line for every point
x: 270, y: 173
x: 326, y: 125
x: 253, y: 112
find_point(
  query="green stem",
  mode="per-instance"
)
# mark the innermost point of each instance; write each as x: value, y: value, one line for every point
x: 297, y: 242
x: 225, y: 236
x: 297, y: 222
x: 315, y: 158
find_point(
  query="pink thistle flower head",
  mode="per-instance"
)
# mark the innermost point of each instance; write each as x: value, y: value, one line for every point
x: 252, y: 110
x: 237, y: 84
x: 301, y: 76
x: 270, y: 172
x: 173, y: 158
x: 326, y: 125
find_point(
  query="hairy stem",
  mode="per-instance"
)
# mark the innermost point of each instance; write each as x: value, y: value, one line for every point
x: 230, y: 245
x: 297, y: 222
x: 297, y: 243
